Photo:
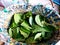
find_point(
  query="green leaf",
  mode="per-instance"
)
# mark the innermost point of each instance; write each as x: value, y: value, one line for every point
x: 25, y: 30
x: 13, y: 25
x: 38, y: 20
x: 25, y: 24
x: 40, y: 29
x: 29, y: 14
x: 18, y: 29
x: 37, y: 36
x: 10, y: 32
x: 31, y: 20
x: 24, y: 34
x: 14, y: 32
x: 17, y: 18
x: 19, y: 37
x: 43, y: 34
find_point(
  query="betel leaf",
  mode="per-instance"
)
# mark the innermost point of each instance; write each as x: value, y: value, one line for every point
x: 17, y: 18
x: 13, y: 24
x: 40, y: 29
x: 37, y: 36
x: 26, y: 25
x: 38, y: 20
x: 19, y: 37
x: 31, y: 20
x: 28, y: 14
x: 24, y: 34
x: 14, y: 30
x: 18, y: 29
x: 43, y: 34
x: 10, y: 32
x: 25, y: 30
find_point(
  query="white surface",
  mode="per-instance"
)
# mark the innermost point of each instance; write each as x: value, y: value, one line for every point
x: 58, y: 43
x: 46, y: 3
x: 35, y: 2
x: 6, y: 2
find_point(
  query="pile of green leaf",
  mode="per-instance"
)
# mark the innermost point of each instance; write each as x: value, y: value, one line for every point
x: 29, y: 27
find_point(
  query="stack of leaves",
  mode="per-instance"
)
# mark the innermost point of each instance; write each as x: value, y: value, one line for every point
x: 29, y: 27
